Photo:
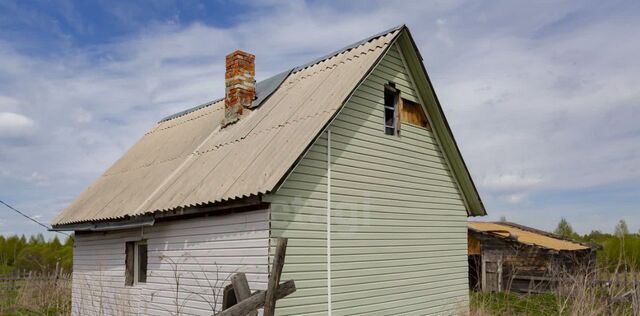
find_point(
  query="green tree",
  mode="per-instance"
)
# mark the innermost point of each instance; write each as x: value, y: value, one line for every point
x: 621, y: 229
x: 564, y: 229
x: 35, y: 253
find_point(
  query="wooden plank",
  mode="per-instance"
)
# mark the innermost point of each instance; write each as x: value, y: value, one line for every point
x: 274, y: 277
x: 257, y: 300
x: 242, y: 290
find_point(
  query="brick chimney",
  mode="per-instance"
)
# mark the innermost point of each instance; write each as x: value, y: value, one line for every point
x: 240, y: 85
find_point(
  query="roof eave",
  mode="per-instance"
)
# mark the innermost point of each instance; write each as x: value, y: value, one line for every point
x: 473, y: 202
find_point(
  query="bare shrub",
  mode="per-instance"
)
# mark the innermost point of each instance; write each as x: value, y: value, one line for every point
x: 571, y: 290
x: 209, y: 290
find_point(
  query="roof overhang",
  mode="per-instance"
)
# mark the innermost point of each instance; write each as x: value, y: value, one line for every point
x: 508, y: 235
x: 441, y: 127
x: 133, y: 222
x: 240, y: 205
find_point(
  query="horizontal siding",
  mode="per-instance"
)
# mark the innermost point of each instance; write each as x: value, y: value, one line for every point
x: 198, y: 254
x: 303, y: 192
x: 398, y: 220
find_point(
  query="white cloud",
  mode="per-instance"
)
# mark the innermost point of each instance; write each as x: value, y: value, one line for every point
x: 8, y: 103
x: 14, y: 125
x: 516, y: 198
x: 511, y: 181
x: 535, y: 107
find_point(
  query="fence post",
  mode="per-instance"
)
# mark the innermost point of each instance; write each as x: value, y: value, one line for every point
x: 242, y: 289
x: 57, y: 275
x: 274, y: 277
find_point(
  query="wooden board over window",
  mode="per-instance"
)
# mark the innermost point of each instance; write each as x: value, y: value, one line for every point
x: 412, y: 113
x: 473, y: 246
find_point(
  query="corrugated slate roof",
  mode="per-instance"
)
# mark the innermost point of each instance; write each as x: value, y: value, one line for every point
x: 188, y: 160
x: 528, y: 236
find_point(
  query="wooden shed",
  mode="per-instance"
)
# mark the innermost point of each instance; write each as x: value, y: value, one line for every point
x: 506, y: 256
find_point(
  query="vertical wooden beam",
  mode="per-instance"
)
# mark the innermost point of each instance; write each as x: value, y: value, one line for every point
x: 274, y: 277
x: 499, y: 264
x: 483, y: 273
x: 241, y: 289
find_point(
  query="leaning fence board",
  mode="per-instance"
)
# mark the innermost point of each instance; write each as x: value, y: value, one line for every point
x: 247, y: 303
x: 257, y: 299
x: 241, y: 289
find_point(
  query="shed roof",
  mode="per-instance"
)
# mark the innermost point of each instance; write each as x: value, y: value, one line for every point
x: 188, y: 160
x: 527, y: 235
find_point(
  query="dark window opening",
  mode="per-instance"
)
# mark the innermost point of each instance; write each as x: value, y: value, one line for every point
x: 135, y: 262
x: 142, y: 263
x: 229, y: 297
x: 475, y: 272
x: 390, y: 109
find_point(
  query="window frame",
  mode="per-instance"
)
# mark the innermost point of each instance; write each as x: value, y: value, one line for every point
x: 137, y: 262
x: 133, y: 262
x: 394, y: 129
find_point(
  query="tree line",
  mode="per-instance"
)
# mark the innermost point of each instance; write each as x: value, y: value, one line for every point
x: 620, y: 249
x: 19, y: 253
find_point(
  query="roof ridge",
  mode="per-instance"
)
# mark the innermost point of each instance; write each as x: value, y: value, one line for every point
x: 347, y: 48
x: 188, y: 120
x: 275, y: 81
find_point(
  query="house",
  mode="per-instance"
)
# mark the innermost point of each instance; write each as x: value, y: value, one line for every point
x: 348, y: 156
x: 505, y: 256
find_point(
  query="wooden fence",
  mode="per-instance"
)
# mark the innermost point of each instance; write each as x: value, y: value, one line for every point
x: 16, y: 280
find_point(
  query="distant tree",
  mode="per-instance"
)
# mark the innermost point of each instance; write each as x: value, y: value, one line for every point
x: 595, y: 236
x: 35, y: 253
x: 503, y: 218
x: 69, y: 241
x: 621, y: 229
x: 32, y: 259
x: 564, y: 229
x: 55, y: 243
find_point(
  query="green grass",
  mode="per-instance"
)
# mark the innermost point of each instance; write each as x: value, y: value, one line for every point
x: 503, y: 304
x: 513, y: 304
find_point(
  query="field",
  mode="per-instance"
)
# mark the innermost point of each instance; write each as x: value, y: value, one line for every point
x: 600, y: 293
x: 35, y: 295
x: 503, y: 304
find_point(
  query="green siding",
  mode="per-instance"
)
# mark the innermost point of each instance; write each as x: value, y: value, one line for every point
x: 398, y: 220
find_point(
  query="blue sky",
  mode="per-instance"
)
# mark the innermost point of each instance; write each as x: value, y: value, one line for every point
x: 543, y: 97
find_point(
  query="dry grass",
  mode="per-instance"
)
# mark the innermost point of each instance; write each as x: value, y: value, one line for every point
x: 574, y: 294
x: 38, y: 295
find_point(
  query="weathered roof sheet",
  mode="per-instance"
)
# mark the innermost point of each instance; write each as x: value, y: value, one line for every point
x: 188, y: 160
x: 526, y: 235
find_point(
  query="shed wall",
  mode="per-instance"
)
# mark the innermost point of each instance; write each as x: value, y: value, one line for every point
x: 194, y: 255
x: 398, y: 221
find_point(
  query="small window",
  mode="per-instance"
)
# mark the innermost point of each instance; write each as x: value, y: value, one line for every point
x: 136, y: 262
x: 390, y: 109
x: 412, y: 113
